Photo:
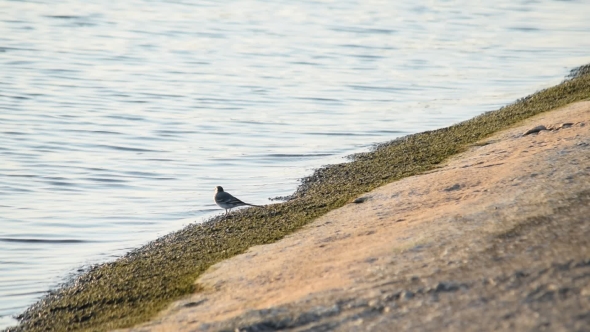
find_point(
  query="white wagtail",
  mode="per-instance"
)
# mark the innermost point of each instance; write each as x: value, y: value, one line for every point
x: 227, y: 201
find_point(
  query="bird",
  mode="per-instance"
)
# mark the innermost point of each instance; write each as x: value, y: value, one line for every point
x: 227, y: 201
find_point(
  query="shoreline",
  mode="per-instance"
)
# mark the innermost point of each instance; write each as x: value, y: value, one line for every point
x: 135, y: 287
x: 511, y: 205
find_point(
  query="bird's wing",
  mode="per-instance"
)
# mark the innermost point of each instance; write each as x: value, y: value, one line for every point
x: 226, y: 198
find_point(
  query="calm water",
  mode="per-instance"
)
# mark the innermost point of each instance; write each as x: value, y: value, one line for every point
x: 117, y: 119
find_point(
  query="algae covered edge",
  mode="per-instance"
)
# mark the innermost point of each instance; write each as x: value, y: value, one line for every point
x: 135, y: 287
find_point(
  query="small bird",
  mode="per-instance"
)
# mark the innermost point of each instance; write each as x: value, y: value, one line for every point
x: 227, y: 201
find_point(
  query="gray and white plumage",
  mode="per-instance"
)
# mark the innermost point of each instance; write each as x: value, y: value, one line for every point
x: 227, y: 201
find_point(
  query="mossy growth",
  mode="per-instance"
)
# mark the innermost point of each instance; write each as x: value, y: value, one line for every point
x: 135, y: 287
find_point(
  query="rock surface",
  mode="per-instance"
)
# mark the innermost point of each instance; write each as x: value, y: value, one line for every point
x: 497, y: 238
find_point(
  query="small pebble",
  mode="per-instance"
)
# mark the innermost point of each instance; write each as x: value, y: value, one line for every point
x: 535, y: 130
x: 407, y: 295
x: 360, y: 200
x: 456, y: 186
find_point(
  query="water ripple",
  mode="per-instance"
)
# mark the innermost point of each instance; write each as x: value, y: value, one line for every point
x: 42, y: 241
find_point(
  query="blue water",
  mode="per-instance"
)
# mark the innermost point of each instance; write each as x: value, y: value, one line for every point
x: 118, y: 119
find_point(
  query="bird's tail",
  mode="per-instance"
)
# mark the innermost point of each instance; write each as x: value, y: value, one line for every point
x: 254, y: 205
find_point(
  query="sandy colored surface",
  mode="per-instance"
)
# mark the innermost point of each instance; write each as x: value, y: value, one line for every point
x: 438, y: 250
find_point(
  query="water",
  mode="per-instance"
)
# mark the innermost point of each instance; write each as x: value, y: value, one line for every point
x: 118, y: 119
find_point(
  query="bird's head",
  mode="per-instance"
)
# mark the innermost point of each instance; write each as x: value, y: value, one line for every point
x: 218, y: 189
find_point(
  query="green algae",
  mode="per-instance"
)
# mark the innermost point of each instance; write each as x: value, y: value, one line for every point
x: 135, y: 287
